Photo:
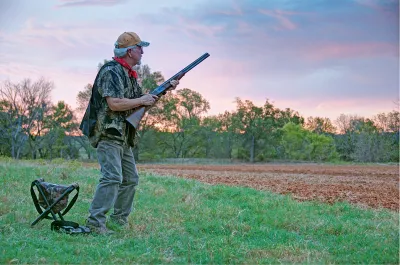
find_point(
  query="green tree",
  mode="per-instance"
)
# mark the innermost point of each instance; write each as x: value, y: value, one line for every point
x: 248, y: 121
x: 371, y: 144
x: 226, y: 129
x: 368, y: 140
x: 258, y: 128
x: 180, y: 115
x: 347, y: 138
x: 24, y: 106
x: 301, y: 144
x: 320, y: 125
x: 387, y: 122
x: 212, y: 137
x: 83, y: 97
x: 61, y: 124
x: 148, y: 81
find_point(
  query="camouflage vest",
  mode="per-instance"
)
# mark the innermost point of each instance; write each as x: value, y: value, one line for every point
x: 99, y: 121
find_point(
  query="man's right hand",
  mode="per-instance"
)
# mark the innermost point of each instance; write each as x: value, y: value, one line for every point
x: 148, y: 99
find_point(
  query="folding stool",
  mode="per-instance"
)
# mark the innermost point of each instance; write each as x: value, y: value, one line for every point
x: 53, y: 198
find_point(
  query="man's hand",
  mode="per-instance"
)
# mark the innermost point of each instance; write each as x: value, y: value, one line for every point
x: 148, y: 99
x: 174, y: 84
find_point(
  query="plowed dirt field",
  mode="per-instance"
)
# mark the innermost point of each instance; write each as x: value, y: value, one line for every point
x: 374, y: 186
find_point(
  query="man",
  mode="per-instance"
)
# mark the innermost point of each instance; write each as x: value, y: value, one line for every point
x: 115, y: 94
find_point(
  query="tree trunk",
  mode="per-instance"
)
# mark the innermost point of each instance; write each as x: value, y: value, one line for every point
x: 40, y: 150
x: 229, y: 148
x: 208, y: 144
x: 252, y: 149
x: 13, y: 149
x: 18, y: 153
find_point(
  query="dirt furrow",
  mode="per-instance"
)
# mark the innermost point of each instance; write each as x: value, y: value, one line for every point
x: 371, y: 186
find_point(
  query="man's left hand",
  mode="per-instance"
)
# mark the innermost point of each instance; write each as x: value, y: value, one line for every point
x: 174, y: 84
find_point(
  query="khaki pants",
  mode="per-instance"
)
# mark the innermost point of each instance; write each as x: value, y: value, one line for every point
x: 117, y: 184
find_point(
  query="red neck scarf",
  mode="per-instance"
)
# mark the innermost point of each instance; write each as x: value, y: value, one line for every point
x: 131, y: 72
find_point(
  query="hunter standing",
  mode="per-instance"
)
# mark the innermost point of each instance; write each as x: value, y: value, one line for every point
x: 115, y: 94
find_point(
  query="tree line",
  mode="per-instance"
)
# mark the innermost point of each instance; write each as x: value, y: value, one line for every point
x: 31, y: 126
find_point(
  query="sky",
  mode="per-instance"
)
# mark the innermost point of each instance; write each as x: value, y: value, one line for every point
x: 318, y: 57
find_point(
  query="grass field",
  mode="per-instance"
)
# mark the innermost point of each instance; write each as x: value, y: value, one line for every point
x: 180, y: 221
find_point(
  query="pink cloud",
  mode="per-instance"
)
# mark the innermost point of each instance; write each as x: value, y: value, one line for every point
x: 333, y: 108
x: 267, y: 63
x: 70, y: 34
x: 60, y: 41
x: 336, y: 50
x: 235, y: 11
x: 69, y: 3
x: 388, y: 7
x: 192, y: 28
x: 280, y: 16
x: 312, y: 107
x: 244, y: 27
x: 197, y: 30
x: 67, y: 82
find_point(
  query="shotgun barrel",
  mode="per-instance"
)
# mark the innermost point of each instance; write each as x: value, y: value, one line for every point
x: 135, y: 118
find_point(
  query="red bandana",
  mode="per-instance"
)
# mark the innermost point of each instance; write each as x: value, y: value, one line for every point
x: 131, y: 72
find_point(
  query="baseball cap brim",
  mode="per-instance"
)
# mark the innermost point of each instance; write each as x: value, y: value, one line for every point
x: 143, y: 43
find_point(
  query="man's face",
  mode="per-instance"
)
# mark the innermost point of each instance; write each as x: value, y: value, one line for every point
x: 136, y: 55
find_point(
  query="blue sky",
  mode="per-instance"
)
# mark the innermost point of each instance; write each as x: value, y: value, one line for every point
x: 318, y: 57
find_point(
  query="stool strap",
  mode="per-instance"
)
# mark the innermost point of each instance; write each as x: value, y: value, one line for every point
x: 72, y: 202
x: 55, y: 225
x: 35, y: 200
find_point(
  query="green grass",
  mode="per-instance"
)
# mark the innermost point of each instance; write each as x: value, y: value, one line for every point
x: 181, y: 221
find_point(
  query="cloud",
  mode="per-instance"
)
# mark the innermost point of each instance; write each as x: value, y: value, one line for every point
x: 281, y: 16
x: 68, y: 80
x: 386, y: 6
x: 75, y: 3
x: 59, y: 41
x: 303, y: 52
x: 295, y: 52
x: 352, y: 50
x: 329, y: 32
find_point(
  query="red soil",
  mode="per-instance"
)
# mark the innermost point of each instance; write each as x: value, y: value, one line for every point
x: 373, y: 186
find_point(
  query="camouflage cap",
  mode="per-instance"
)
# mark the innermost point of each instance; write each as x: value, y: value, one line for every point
x: 128, y: 39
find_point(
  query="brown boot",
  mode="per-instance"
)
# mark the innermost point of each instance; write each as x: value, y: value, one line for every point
x: 100, y: 230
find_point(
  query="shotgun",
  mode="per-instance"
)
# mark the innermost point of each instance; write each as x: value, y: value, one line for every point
x: 138, y: 113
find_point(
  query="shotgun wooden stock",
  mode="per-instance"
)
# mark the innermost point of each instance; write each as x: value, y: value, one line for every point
x: 135, y: 118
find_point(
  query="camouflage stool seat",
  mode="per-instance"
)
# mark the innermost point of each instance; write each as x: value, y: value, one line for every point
x: 53, y: 198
